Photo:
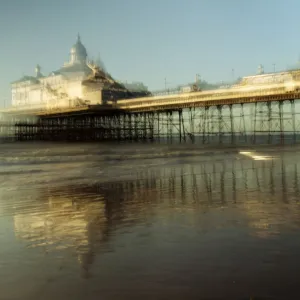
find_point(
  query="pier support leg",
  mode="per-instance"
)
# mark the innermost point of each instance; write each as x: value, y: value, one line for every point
x: 206, y: 111
x: 293, y: 120
x: 171, y: 126
x: 254, y: 123
x: 158, y: 126
x: 270, y: 121
x: 243, y: 130
x: 144, y: 122
x: 130, y: 126
x: 220, y: 123
x: 135, y: 124
x: 232, y: 125
x: 180, y: 125
x: 280, y: 103
x: 192, y: 123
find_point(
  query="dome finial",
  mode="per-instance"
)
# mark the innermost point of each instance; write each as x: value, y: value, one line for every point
x: 78, y: 37
x: 38, y: 71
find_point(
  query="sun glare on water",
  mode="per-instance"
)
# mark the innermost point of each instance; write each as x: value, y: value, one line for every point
x: 256, y: 156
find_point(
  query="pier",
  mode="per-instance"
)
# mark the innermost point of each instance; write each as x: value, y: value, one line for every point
x: 81, y: 101
x: 220, y: 116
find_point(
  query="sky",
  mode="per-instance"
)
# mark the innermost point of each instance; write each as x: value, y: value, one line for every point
x: 148, y: 41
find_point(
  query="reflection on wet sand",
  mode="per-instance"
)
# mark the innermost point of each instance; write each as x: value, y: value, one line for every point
x: 62, y: 224
x: 202, y: 217
x: 260, y: 189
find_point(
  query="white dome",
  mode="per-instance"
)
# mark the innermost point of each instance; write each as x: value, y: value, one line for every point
x: 78, y: 52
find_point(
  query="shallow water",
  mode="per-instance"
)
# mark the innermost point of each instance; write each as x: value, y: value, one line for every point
x: 128, y: 221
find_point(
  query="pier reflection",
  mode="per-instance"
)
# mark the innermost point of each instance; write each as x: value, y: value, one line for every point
x: 262, y: 196
x: 64, y: 224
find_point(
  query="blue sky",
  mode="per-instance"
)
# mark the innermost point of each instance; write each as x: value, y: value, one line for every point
x: 143, y: 40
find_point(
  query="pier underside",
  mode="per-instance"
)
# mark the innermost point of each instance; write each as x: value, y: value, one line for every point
x: 275, y: 122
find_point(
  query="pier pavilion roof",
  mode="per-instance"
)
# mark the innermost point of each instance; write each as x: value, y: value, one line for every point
x: 25, y: 78
x: 74, y: 68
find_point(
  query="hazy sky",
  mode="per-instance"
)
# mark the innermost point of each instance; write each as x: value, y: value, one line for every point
x: 148, y: 40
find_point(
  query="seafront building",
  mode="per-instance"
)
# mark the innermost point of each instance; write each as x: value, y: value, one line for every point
x: 78, y: 82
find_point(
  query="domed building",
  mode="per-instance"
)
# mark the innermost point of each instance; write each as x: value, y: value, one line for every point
x: 78, y: 52
x: 78, y: 82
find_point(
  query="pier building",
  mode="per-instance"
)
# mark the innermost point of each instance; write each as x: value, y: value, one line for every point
x: 78, y: 82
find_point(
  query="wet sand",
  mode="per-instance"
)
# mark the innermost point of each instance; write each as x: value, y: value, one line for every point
x: 134, y: 221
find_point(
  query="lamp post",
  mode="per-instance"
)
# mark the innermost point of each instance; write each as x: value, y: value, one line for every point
x: 166, y: 83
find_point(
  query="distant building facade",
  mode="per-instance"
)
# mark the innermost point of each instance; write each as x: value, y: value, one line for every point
x: 78, y: 82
